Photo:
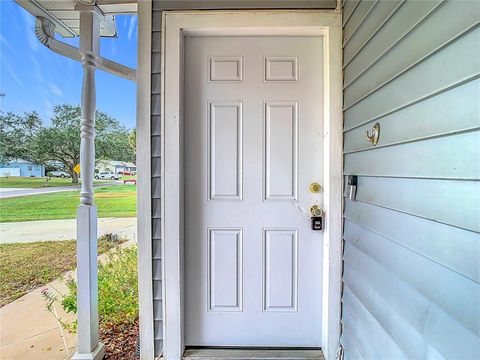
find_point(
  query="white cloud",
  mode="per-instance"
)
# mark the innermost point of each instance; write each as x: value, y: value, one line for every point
x: 8, y: 66
x: 9, y: 7
x: 48, y: 109
x: 55, y: 89
x: 131, y: 27
x: 113, y: 47
x: 29, y: 27
x: 6, y: 44
x: 36, y: 70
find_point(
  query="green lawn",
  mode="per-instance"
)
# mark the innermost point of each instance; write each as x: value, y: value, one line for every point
x: 111, y: 201
x: 34, y: 183
x: 128, y: 177
x: 24, y: 267
x: 29, y: 182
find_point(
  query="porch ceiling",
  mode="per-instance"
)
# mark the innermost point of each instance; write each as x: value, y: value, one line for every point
x: 67, y: 20
x: 244, y: 4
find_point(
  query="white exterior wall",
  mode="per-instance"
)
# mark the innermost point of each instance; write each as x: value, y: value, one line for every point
x: 412, y: 243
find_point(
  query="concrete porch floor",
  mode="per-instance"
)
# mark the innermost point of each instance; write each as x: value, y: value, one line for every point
x: 252, y: 354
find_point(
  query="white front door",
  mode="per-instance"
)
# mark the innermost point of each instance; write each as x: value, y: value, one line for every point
x: 253, y: 135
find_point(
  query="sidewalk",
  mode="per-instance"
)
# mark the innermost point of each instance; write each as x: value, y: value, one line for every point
x: 6, y: 193
x: 29, y: 332
x: 30, y: 231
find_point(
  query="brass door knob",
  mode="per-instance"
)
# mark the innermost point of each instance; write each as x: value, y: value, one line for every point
x: 316, y: 211
x: 315, y: 188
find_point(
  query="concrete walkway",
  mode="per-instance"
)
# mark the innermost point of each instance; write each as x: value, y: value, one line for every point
x: 6, y: 193
x: 28, y: 331
x: 6, y: 190
x: 55, y: 230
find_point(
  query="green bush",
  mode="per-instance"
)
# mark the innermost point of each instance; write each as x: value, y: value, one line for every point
x: 117, y: 290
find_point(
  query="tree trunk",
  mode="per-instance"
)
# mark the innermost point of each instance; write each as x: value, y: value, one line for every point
x: 74, y: 177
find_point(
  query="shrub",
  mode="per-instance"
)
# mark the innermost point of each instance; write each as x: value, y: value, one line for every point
x: 117, y: 290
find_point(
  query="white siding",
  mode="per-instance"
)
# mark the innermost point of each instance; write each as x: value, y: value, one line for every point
x: 412, y: 237
x: 156, y: 185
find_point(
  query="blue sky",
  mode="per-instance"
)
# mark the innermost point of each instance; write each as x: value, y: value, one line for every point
x: 35, y: 78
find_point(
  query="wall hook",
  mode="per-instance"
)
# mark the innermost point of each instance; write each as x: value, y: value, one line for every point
x: 375, y: 134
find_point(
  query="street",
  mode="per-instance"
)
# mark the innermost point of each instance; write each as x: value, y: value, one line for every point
x: 6, y: 193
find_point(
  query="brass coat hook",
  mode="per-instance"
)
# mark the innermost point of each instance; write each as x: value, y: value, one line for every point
x: 373, y: 139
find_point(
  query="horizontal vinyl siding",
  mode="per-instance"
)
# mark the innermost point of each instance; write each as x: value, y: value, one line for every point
x: 412, y: 237
x: 156, y: 181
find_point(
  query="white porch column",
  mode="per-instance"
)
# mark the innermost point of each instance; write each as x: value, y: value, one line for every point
x: 87, y: 270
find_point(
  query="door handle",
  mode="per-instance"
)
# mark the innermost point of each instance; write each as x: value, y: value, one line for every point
x: 316, y: 216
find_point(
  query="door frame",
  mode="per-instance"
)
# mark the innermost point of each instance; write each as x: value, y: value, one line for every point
x: 175, y: 25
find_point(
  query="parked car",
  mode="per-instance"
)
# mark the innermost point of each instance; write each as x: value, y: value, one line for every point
x: 107, y: 176
x: 127, y: 172
x: 60, y: 174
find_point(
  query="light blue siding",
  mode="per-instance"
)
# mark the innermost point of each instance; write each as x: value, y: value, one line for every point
x: 23, y: 169
x: 412, y: 237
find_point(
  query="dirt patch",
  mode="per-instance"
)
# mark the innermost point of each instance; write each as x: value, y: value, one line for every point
x: 120, y: 341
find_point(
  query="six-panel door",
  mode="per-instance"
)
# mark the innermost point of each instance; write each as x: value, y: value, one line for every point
x: 253, y: 109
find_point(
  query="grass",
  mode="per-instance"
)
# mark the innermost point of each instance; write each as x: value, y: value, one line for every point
x: 117, y: 303
x: 32, y: 183
x: 117, y: 288
x: 35, y: 183
x: 24, y: 267
x: 128, y: 177
x: 111, y: 201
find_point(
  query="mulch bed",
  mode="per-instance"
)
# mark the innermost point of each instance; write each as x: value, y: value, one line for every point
x: 120, y: 341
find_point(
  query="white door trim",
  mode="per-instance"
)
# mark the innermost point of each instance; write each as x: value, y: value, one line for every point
x: 273, y: 23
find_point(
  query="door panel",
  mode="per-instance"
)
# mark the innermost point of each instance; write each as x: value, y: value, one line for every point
x: 253, y: 144
x: 225, y: 150
x: 225, y: 269
x: 280, y: 259
x: 281, y: 150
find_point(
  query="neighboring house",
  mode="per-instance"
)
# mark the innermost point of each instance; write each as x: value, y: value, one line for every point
x: 250, y: 123
x: 117, y: 167
x: 130, y: 167
x: 112, y: 166
x: 54, y: 164
x: 22, y: 168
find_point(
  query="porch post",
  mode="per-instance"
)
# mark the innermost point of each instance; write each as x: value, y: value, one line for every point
x: 87, y: 270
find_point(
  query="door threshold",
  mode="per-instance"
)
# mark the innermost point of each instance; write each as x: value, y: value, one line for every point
x: 252, y: 354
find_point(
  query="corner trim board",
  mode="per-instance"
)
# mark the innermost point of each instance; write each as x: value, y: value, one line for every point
x: 144, y: 193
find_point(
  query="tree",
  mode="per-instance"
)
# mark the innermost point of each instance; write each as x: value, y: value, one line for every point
x: 61, y: 141
x: 132, y: 139
x: 17, y: 136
